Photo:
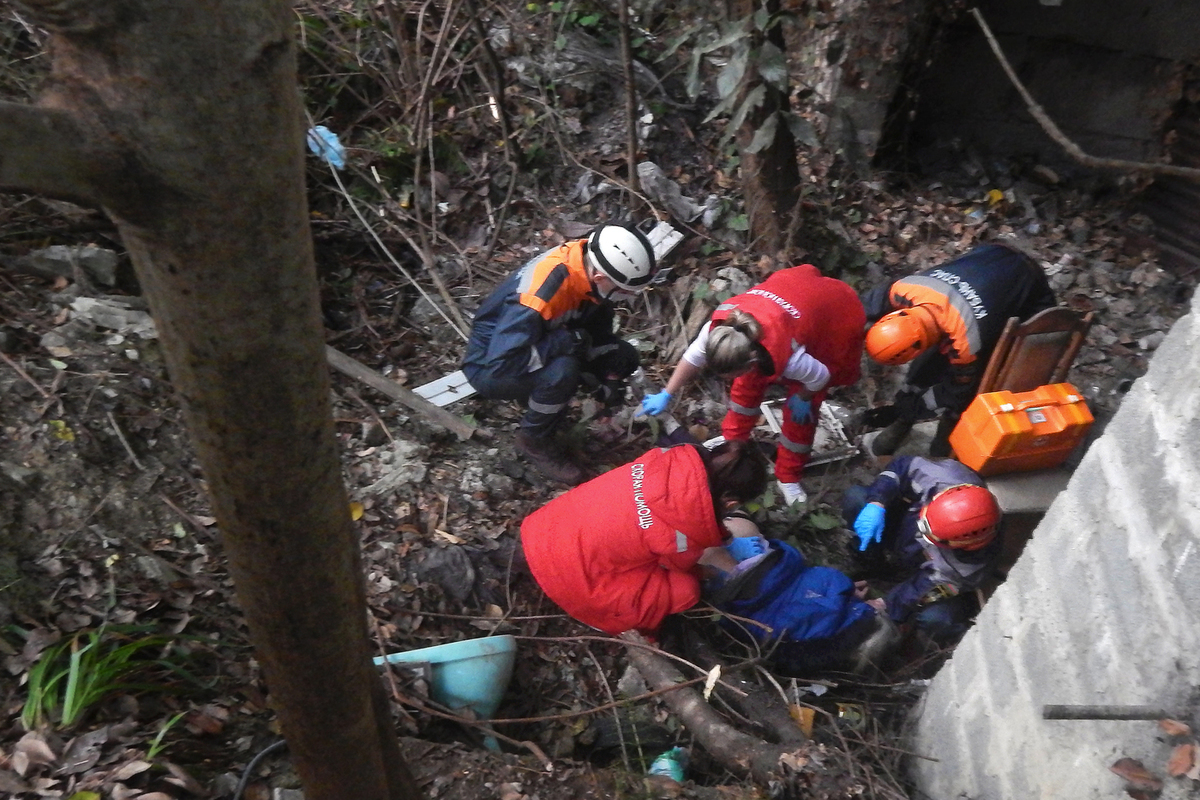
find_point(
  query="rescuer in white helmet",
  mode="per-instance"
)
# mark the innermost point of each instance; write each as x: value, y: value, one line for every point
x: 549, y: 327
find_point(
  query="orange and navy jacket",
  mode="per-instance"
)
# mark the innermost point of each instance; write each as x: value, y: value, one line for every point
x: 550, y: 292
x: 973, y: 296
x: 618, y: 552
x: 798, y: 307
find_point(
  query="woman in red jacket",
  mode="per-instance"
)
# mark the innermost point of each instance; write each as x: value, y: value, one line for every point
x: 797, y: 328
x: 619, y: 552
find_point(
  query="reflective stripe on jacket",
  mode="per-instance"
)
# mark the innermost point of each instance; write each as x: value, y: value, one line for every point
x: 973, y: 296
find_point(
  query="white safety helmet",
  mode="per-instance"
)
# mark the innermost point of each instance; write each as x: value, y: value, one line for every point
x: 623, y: 254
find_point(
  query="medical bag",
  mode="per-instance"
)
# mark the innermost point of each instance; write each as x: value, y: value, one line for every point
x: 1006, y: 432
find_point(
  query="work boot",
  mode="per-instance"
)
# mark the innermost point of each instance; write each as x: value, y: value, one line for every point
x: 891, y: 437
x: 548, y: 459
x: 940, y: 446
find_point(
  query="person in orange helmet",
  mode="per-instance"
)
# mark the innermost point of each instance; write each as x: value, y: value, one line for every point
x: 946, y: 321
x: 937, y: 522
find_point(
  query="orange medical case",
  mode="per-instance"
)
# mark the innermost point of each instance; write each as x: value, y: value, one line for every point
x: 1006, y: 432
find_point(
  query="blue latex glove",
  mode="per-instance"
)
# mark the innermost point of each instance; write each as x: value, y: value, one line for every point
x: 743, y: 547
x: 801, y: 409
x: 869, y: 525
x: 655, y: 404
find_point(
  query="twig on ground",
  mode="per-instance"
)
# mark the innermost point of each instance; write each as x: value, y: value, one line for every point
x: 438, y: 416
x: 24, y: 375
x: 374, y: 415
x: 124, y: 442
x: 616, y: 715
x: 631, y: 101
x: 188, y: 518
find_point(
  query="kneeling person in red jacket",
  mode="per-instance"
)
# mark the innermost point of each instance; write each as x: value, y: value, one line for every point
x: 620, y: 552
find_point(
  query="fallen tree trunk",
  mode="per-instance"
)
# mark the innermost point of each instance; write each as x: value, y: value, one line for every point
x: 738, y: 752
x: 766, y: 708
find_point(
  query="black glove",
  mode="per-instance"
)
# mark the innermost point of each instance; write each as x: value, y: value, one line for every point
x: 610, y: 393
x: 880, y: 417
x: 581, y: 343
x: 567, y: 342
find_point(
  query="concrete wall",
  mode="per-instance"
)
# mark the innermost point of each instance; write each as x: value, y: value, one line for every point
x: 1103, y: 607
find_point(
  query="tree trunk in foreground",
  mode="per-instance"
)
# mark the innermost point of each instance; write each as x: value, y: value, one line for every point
x: 182, y: 121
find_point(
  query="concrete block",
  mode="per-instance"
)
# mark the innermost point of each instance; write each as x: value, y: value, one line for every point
x: 1028, y: 492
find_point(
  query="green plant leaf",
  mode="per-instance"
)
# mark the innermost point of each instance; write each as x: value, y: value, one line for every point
x: 824, y: 521
x: 802, y: 130
x: 739, y: 223
x: 74, y: 675
x: 730, y: 77
x: 772, y: 66
x: 157, y: 745
x: 761, y: 19
x: 735, y: 33
x: 765, y: 135
x: 754, y: 99
x: 692, y: 84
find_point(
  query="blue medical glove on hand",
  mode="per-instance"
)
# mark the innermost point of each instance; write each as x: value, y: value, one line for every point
x: 801, y: 409
x: 655, y: 404
x: 869, y: 525
x: 743, y: 547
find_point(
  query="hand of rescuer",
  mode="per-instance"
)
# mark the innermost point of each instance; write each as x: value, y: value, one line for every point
x: 655, y: 404
x: 801, y: 408
x: 869, y: 525
x: 744, y: 547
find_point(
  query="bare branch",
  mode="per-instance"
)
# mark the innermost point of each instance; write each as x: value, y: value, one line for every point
x: 1057, y: 135
x: 631, y: 103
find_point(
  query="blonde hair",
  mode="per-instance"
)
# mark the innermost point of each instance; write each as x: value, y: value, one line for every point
x: 731, y: 343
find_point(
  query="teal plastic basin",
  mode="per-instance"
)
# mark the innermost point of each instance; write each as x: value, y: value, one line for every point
x: 473, y: 673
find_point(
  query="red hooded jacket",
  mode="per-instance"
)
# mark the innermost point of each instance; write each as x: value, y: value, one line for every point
x: 617, y: 552
x: 796, y: 306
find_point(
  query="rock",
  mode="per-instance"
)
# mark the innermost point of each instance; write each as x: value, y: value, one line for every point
x: 59, y: 261
x: 449, y: 568
x: 739, y: 282
x: 114, y: 314
x: 666, y: 192
x: 1151, y: 341
x: 400, y: 465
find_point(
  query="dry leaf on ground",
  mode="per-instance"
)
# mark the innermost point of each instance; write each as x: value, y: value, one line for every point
x: 1182, y: 760
x: 1136, y: 775
x: 1173, y: 727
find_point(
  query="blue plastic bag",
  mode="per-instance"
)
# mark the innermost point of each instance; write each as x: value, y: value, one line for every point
x: 324, y: 143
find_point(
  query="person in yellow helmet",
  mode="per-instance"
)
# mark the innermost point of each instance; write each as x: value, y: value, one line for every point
x: 944, y: 322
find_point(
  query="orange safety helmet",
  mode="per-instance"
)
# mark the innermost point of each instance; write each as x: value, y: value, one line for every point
x: 963, y: 517
x: 900, y: 336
